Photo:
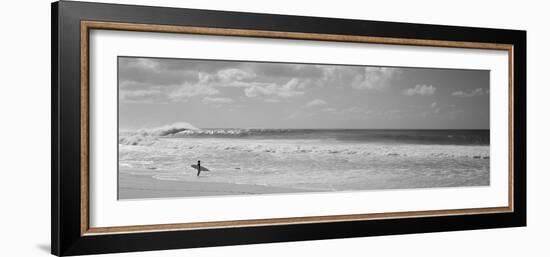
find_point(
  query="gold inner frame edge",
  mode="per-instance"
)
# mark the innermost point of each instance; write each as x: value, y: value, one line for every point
x: 86, y: 26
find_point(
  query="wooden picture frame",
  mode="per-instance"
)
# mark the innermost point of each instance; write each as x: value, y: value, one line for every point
x: 71, y: 26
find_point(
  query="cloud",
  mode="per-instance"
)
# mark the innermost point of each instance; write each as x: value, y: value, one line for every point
x: 140, y: 92
x: 293, y: 80
x: 204, y: 77
x: 433, y: 105
x: 257, y: 90
x: 286, y: 71
x: 272, y: 89
x: 190, y: 90
x: 179, y: 79
x: 374, y: 78
x: 217, y: 100
x: 295, y: 115
x: 475, y: 92
x: 138, y: 96
x: 234, y: 74
x: 316, y: 103
x: 423, y: 90
x: 153, y: 71
x: 140, y: 63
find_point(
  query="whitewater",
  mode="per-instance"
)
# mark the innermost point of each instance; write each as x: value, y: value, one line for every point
x: 315, y: 160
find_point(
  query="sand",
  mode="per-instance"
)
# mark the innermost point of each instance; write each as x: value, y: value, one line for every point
x: 144, y: 186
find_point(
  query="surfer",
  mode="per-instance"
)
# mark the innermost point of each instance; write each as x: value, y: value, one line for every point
x: 199, y: 168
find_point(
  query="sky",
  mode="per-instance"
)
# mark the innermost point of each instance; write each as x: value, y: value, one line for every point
x: 240, y: 94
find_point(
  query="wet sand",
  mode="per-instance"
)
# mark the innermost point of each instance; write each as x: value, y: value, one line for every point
x: 144, y: 186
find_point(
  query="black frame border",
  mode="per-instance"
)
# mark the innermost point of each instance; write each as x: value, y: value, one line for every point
x: 66, y: 238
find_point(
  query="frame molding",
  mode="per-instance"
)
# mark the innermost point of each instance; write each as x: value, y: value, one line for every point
x: 71, y: 24
x: 87, y: 26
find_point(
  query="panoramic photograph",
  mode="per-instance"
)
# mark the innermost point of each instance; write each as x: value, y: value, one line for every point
x: 198, y: 128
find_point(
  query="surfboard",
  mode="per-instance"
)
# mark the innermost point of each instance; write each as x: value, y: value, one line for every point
x: 195, y: 166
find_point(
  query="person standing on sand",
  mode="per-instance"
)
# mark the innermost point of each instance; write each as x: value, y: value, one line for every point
x: 198, y: 168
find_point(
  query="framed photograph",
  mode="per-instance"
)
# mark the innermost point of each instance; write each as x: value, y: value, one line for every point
x: 178, y: 128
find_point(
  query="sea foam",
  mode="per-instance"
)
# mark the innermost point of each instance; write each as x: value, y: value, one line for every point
x: 150, y: 136
x: 309, y: 159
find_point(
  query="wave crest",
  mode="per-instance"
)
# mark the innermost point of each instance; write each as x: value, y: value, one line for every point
x: 222, y: 132
x: 171, y: 129
x: 148, y: 137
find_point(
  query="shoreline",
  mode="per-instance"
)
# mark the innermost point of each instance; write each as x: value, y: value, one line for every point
x: 135, y: 187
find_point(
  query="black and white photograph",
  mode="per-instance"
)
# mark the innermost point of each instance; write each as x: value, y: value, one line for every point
x: 275, y: 128
x: 202, y: 127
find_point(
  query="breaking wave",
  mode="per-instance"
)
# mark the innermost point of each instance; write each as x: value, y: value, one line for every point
x: 231, y: 132
x: 327, y: 159
x: 150, y: 136
x: 414, y: 137
x: 326, y: 150
x: 433, y: 137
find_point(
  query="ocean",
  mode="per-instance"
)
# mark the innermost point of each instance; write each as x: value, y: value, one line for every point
x: 311, y: 159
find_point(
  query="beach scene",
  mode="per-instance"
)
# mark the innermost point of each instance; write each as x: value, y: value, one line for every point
x: 197, y: 128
